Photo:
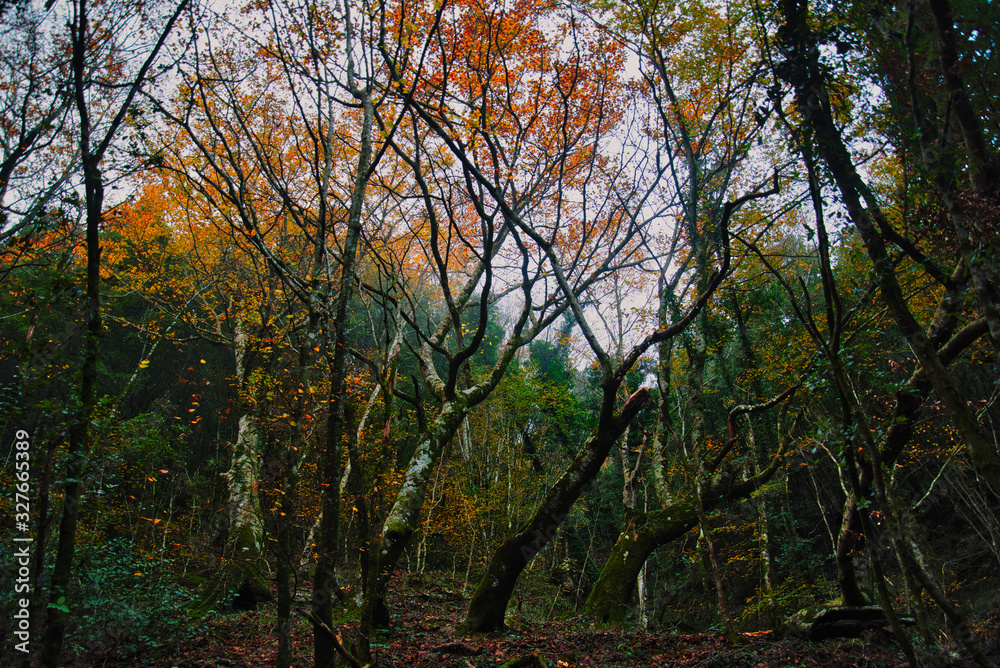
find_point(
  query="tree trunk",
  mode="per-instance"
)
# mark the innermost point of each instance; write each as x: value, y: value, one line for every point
x: 609, y: 599
x: 243, y: 476
x: 984, y: 170
x: 645, y: 532
x: 848, y: 540
x: 244, y: 559
x: 404, y: 516
x: 764, y: 531
x: 331, y: 466
x: 79, y: 434
x: 630, y: 476
x: 283, y: 573
x: 288, y: 470
x: 244, y: 545
x: 488, y: 606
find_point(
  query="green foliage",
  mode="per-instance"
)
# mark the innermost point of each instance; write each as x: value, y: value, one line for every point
x: 152, y: 475
x: 126, y: 603
x: 138, y: 474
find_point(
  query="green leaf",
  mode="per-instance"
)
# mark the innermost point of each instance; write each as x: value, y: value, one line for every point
x: 60, y: 604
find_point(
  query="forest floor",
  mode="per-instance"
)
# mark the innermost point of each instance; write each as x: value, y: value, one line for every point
x: 425, y: 619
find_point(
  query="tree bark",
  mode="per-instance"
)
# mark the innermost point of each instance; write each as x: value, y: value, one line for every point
x: 246, y: 523
x: 609, y: 599
x: 79, y: 433
x: 79, y: 436
x: 325, y: 586
x: 488, y: 606
x: 645, y: 532
x: 404, y: 515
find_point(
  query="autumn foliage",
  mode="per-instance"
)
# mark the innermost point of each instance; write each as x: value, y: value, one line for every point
x: 378, y: 327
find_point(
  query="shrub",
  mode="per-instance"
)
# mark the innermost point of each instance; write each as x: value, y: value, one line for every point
x: 124, y: 603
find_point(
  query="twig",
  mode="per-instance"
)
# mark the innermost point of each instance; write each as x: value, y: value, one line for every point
x: 334, y: 637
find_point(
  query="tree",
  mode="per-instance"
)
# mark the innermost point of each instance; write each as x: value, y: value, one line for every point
x: 489, y: 167
x: 802, y: 69
x: 405, y: 272
x: 266, y: 178
x: 101, y: 110
x: 703, y: 133
x: 211, y: 280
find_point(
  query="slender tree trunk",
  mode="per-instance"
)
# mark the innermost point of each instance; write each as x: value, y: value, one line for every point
x: 288, y: 470
x: 851, y: 531
x: 366, y: 500
x: 849, y: 540
x: 901, y: 535
x: 79, y: 446
x: 803, y: 71
x: 630, y: 476
x: 720, y: 594
x: 805, y: 74
x: 284, y: 607
x: 985, y: 171
x: 325, y: 586
x: 79, y: 434
x: 764, y: 532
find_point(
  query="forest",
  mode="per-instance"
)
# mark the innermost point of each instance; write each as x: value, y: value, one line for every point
x: 499, y: 332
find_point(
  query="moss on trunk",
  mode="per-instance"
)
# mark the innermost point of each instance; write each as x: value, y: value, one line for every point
x: 243, y: 566
x: 608, y: 602
x: 488, y: 606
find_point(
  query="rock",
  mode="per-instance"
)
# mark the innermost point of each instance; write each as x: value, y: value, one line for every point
x: 250, y: 594
x: 824, y: 622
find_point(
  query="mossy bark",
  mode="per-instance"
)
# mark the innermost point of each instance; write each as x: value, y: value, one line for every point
x: 488, y: 606
x: 242, y: 565
x: 243, y: 478
x: 608, y: 602
x: 403, y: 517
x: 243, y: 560
x: 645, y: 532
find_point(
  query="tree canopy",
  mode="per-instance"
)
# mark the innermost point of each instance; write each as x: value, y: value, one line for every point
x: 675, y: 316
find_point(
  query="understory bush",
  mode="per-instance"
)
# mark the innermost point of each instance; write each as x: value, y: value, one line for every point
x: 124, y: 602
